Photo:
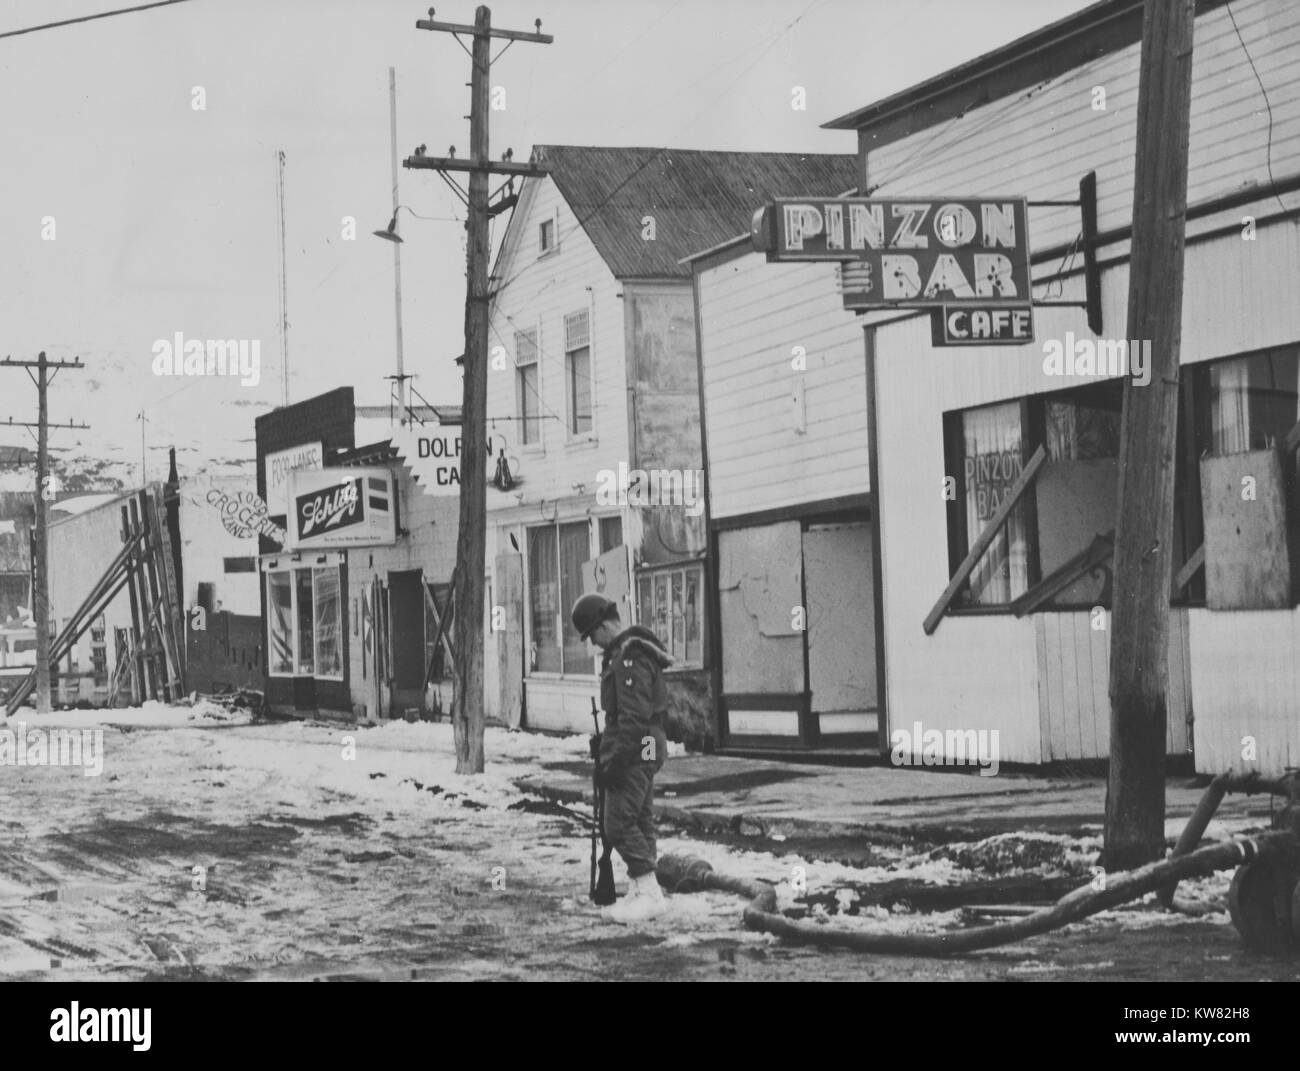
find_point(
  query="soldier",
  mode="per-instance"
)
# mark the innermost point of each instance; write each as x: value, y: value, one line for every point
x: 632, y: 747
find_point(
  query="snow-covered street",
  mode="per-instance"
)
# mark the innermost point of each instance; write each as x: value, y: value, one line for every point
x: 213, y: 847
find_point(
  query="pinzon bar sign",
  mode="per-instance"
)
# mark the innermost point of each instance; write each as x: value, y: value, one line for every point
x: 909, y: 253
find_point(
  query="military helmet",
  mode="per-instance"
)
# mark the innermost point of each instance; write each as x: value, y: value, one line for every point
x: 589, y: 611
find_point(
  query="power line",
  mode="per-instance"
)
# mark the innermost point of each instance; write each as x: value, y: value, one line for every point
x: 578, y: 226
x: 91, y: 18
x: 1268, y: 156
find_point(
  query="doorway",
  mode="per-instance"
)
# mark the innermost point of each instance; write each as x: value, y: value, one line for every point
x: 406, y: 640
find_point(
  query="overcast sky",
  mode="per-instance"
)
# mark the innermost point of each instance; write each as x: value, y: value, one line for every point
x: 165, y: 216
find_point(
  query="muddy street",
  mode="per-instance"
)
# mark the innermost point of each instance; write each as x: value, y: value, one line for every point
x: 212, y: 848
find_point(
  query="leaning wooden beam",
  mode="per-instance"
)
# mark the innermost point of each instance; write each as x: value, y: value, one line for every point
x: 441, y: 635
x: 1188, y: 570
x: 1094, y: 554
x: 985, y: 540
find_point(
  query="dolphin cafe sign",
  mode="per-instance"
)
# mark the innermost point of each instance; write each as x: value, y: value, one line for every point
x: 965, y: 258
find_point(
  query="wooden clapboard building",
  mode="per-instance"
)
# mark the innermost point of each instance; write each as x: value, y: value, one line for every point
x: 992, y: 469
x: 355, y: 598
x: 795, y: 606
x: 593, y: 415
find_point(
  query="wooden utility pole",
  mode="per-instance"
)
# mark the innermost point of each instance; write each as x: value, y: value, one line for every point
x: 45, y: 372
x: 1139, y: 654
x: 467, y: 591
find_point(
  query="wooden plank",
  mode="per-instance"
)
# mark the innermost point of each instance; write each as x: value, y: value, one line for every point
x: 985, y: 539
x: 1073, y: 706
x: 1189, y: 568
x: 441, y: 620
x: 171, y: 594
x: 1095, y: 553
x: 1179, y: 685
x: 1098, y: 644
x: 1247, y: 564
x: 509, y: 581
x: 1056, y: 685
x: 1044, y: 699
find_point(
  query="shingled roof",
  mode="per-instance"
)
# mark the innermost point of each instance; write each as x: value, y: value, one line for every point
x: 698, y: 198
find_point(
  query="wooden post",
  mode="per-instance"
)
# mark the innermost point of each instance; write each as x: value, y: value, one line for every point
x: 40, y: 564
x: 471, y: 538
x: 1139, y: 669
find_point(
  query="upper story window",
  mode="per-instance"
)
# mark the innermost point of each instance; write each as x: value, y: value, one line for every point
x: 527, y: 388
x: 546, y: 241
x: 577, y: 372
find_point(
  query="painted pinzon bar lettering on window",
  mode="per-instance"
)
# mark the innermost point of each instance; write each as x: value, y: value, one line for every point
x: 919, y: 252
x: 989, y: 479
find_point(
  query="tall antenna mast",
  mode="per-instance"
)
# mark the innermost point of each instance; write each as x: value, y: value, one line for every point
x: 397, y: 249
x: 284, y: 280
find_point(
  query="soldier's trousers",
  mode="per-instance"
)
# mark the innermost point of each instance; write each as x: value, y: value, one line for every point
x: 629, y: 819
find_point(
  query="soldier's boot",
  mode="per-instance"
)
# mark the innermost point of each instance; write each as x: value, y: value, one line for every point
x: 645, y: 900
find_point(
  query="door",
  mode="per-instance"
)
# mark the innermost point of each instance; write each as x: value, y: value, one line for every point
x: 406, y: 639
x: 841, y: 632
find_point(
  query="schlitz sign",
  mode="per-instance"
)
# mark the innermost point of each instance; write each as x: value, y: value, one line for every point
x: 913, y: 252
x: 342, y: 508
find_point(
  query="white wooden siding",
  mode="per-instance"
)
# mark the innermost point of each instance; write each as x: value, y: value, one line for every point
x: 1074, y: 683
x: 1239, y: 296
x: 1245, y: 683
x: 543, y: 292
x: 752, y: 315
x: 1041, y: 141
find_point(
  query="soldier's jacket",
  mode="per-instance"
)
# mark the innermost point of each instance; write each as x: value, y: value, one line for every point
x: 635, y: 701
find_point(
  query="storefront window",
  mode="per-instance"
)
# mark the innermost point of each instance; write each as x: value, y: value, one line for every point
x: 306, y: 646
x: 1076, y: 491
x: 1253, y: 401
x: 279, y: 608
x: 326, y: 621
x: 669, y: 607
x: 544, y: 599
x: 555, y: 557
x: 992, y: 458
x: 575, y: 548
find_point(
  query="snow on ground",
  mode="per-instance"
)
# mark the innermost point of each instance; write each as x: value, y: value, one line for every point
x: 305, y: 827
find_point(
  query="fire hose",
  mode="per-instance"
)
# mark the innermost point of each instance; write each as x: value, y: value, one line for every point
x: 1274, y: 852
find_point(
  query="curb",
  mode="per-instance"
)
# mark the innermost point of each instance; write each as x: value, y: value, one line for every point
x: 760, y: 827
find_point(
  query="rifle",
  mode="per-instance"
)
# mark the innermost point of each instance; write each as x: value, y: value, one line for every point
x: 602, y: 886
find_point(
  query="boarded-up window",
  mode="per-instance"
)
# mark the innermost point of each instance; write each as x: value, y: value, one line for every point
x: 760, y: 585
x: 1077, y: 490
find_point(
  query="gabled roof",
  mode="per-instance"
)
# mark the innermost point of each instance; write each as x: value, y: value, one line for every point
x: 698, y: 198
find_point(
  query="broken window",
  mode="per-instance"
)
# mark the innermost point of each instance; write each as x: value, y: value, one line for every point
x: 989, y: 444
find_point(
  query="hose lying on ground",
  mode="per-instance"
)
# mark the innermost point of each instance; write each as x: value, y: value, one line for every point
x: 688, y: 874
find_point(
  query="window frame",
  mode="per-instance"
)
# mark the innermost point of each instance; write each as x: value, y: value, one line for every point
x: 531, y: 336
x: 571, y: 320
x: 592, y: 530
x: 1193, y: 428
x: 552, y: 221
x: 294, y: 570
x: 645, y: 616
